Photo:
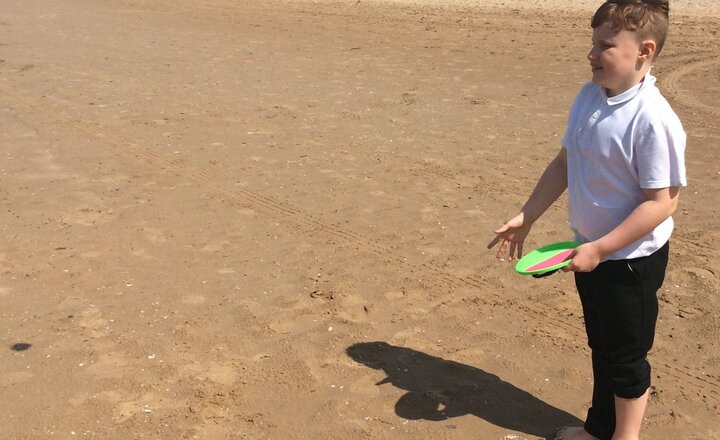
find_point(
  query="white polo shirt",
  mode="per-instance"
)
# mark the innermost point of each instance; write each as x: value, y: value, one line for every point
x: 616, y: 147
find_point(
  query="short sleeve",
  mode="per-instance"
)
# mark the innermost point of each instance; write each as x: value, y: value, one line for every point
x: 660, y: 151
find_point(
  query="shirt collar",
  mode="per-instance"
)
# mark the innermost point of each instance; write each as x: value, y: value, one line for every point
x: 648, y: 81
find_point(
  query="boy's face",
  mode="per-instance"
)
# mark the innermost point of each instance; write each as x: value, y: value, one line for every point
x: 616, y: 59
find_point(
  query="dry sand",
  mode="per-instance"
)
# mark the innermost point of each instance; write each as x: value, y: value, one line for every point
x: 267, y: 220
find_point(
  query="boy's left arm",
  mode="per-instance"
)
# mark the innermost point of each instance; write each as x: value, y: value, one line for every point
x: 659, y: 205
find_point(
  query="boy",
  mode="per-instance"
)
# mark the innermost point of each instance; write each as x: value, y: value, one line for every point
x: 622, y: 162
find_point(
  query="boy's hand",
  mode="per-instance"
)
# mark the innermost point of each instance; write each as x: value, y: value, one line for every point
x: 585, y: 258
x: 511, y: 235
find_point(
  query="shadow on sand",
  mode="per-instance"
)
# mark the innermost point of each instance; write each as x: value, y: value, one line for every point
x: 439, y: 390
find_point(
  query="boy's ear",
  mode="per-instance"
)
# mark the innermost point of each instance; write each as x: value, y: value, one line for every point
x: 647, y: 50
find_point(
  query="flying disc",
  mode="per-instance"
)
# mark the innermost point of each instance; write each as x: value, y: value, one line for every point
x: 547, y: 258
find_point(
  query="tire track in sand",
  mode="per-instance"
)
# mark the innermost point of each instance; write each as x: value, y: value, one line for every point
x: 673, y: 80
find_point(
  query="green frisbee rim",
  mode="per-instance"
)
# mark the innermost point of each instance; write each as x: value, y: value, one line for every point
x: 541, y: 254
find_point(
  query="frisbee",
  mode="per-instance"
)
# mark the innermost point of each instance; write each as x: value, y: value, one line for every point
x: 547, y: 258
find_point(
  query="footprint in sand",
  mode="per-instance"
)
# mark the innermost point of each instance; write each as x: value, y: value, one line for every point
x: 246, y: 212
x: 154, y: 235
x: 91, y: 319
x: 193, y: 300
x: 144, y: 405
x: 88, y: 216
x: 405, y: 335
x: 81, y: 398
x: 215, y: 246
x: 91, y: 210
x: 125, y: 407
x: 45, y: 160
x: 394, y: 294
x: 90, y: 255
x: 115, y: 178
x: 220, y: 373
x: 292, y: 322
x: 142, y: 253
x: 109, y: 365
x: 354, y: 308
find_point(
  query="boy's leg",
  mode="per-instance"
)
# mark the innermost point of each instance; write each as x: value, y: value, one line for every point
x: 629, y: 414
x: 620, y: 306
x: 600, y: 420
x: 631, y: 398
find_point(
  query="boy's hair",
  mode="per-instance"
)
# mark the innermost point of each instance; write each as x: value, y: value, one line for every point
x: 647, y: 18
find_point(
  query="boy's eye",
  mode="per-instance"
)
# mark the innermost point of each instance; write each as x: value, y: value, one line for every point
x: 602, y: 44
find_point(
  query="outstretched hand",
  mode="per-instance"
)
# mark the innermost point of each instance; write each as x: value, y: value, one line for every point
x: 511, y: 237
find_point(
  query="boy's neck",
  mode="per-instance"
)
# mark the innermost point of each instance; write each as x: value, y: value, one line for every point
x: 639, y: 78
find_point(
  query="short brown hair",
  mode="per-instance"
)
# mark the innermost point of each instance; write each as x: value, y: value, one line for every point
x: 648, y: 18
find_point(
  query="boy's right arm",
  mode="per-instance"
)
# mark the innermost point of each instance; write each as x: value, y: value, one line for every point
x: 549, y: 188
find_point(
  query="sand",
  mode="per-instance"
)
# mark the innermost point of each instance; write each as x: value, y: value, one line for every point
x: 267, y: 220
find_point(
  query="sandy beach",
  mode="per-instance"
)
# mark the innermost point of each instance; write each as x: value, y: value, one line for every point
x: 225, y: 219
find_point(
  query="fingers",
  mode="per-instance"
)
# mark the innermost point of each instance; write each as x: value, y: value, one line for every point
x: 494, y: 241
x: 572, y: 267
x: 511, y: 248
x: 499, y: 235
x: 516, y: 250
x: 503, y: 248
x: 507, y: 245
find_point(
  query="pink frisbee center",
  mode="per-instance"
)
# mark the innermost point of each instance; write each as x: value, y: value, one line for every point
x: 552, y: 261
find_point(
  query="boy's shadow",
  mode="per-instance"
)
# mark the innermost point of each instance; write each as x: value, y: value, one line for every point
x: 440, y: 389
